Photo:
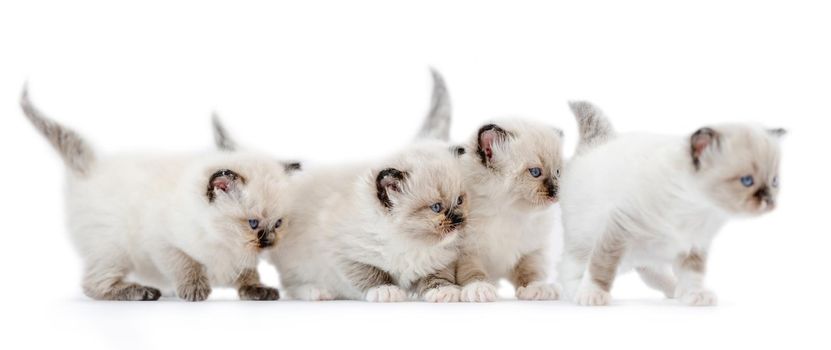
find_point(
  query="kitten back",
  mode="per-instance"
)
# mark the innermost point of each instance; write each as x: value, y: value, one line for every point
x: 76, y: 153
x: 595, y: 127
x: 437, y: 123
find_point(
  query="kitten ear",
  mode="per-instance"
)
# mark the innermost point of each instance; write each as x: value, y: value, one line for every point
x: 292, y: 167
x: 223, y: 181
x: 388, y: 182
x: 488, y: 136
x: 700, y: 141
x: 777, y: 132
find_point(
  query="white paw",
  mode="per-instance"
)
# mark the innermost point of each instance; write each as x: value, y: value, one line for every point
x: 479, y: 292
x: 592, y: 296
x: 538, y: 291
x: 443, y: 294
x: 697, y: 297
x: 311, y: 293
x: 386, y: 294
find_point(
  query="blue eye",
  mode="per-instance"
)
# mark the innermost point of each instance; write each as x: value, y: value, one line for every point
x: 535, y: 172
x: 747, y: 181
x: 436, y: 207
x: 254, y: 223
x: 278, y: 223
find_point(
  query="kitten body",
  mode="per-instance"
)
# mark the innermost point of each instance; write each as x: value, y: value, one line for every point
x: 653, y: 203
x: 176, y: 223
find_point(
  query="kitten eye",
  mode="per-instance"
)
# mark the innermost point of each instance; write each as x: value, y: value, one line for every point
x: 535, y: 172
x: 254, y: 223
x: 460, y: 200
x: 436, y: 207
x: 775, y: 181
x: 278, y: 223
x: 747, y: 181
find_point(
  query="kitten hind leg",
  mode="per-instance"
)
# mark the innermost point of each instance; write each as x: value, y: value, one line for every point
x: 602, y: 269
x: 108, y: 284
x: 658, y: 278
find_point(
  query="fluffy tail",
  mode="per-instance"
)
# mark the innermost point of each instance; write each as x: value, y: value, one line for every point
x: 76, y: 153
x: 437, y: 123
x: 595, y: 128
x: 222, y: 139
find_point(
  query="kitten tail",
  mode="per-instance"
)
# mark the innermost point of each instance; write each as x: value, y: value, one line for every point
x: 76, y: 153
x: 437, y: 123
x: 595, y: 128
x: 222, y: 139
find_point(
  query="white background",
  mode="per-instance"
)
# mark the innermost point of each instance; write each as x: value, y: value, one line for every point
x: 327, y: 81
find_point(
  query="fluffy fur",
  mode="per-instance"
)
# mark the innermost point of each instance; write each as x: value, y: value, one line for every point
x: 512, y: 213
x: 180, y: 223
x: 655, y: 202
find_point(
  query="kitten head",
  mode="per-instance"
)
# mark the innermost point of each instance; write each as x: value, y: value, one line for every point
x: 737, y: 166
x: 520, y: 159
x: 420, y: 191
x: 245, y: 196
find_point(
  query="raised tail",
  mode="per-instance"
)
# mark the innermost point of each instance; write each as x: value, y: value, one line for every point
x: 76, y: 153
x: 437, y: 123
x: 222, y: 139
x: 595, y: 128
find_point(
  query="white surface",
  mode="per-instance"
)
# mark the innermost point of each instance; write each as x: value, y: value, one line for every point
x: 343, y: 80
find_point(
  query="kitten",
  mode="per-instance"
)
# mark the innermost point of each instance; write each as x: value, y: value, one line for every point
x: 511, y: 172
x: 654, y: 203
x: 171, y: 222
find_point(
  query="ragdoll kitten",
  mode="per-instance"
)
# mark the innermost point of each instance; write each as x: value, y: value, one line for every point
x: 511, y: 172
x: 171, y: 222
x: 654, y: 203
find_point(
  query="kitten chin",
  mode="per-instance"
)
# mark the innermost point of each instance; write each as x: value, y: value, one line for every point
x: 182, y: 222
x: 668, y: 198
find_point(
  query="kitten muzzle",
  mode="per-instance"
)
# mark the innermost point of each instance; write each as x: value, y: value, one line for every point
x: 551, y: 189
x: 266, y: 239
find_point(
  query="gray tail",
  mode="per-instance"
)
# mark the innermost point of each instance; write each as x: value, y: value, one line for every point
x: 437, y: 123
x: 222, y: 139
x: 595, y: 128
x: 76, y: 153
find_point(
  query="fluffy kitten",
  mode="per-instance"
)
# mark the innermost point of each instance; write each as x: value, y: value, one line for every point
x: 511, y: 172
x: 654, y: 203
x: 171, y: 222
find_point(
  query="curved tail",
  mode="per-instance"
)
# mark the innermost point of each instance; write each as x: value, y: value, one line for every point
x: 222, y: 139
x: 595, y: 128
x: 437, y: 123
x: 76, y: 153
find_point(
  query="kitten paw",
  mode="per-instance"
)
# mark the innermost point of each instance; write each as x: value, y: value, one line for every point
x: 592, y: 296
x: 443, y: 294
x: 697, y: 297
x: 258, y: 292
x: 538, y: 291
x: 479, y: 292
x: 311, y: 293
x: 198, y: 290
x: 140, y: 293
x: 386, y: 294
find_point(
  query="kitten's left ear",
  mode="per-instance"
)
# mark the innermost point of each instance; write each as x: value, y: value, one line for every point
x: 292, y: 167
x: 223, y: 181
x: 488, y: 136
x: 701, y: 143
x: 777, y: 132
x: 389, y: 182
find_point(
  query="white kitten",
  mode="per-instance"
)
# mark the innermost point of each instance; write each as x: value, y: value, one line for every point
x: 654, y: 203
x: 170, y: 222
x: 511, y: 171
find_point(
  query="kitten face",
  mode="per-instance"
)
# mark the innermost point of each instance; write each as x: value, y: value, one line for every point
x: 421, y: 191
x: 738, y: 166
x: 245, y: 204
x: 527, y: 156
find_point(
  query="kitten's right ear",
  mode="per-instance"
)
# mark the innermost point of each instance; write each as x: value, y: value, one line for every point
x: 223, y: 181
x: 702, y: 143
x: 388, y: 182
x: 488, y: 136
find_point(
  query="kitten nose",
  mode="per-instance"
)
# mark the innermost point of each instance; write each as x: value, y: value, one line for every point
x: 456, y: 218
x: 550, y: 187
x: 265, y: 239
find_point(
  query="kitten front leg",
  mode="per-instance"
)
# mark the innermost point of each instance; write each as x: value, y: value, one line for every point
x: 470, y: 273
x: 690, y: 269
x: 189, y: 277
x: 249, y: 287
x: 377, y: 285
x: 603, y: 263
x: 439, y: 287
x: 529, y: 279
